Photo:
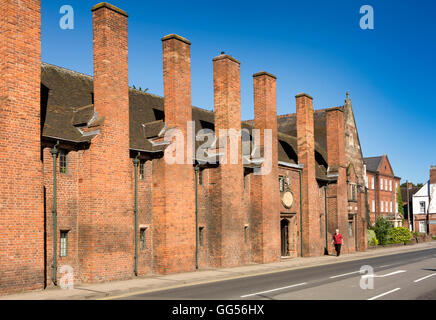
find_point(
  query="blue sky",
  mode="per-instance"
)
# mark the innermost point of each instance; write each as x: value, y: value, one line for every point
x: 312, y: 46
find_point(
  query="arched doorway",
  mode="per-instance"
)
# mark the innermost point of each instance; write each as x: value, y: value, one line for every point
x: 284, y: 227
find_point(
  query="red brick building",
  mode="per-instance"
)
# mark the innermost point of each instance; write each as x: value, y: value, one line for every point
x: 383, y: 188
x: 97, y: 194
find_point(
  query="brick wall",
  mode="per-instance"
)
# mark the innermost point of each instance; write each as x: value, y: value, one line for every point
x: 106, y: 220
x: 67, y: 211
x: 228, y: 230
x: 338, y: 194
x: 21, y: 185
x: 306, y: 156
x: 173, y: 184
x: 264, y: 190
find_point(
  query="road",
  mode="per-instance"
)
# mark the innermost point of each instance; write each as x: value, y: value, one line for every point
x: 406, y: 276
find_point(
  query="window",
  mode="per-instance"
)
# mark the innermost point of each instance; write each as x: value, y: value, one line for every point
x: 422, y: 206
x: 390, y: 185
x: 63, y: 162
x: 142, y: 170
x: 201, y: 236
x: 386, y: 184
x: 381, y: 183
x: 352, y: 192
x: 350, y: 228
x: 64, y: 244
x: 392, y: 208
x: 422, y: 227
x: 373, y: 205
x: 143, y: 239
x: 382, y: 207
x: 246, y: 234
x: 282, y: 184
x: 396, y: 186
x: 373, y: 183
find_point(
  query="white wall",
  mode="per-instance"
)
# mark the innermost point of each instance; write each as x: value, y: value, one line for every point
x: 421, y: 196
x: 432, y: 206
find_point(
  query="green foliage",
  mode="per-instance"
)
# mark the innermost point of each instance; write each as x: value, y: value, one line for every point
x: 400, y: 202
x: 399, y: 235
x: 372, y: 239
x: 381, y: 229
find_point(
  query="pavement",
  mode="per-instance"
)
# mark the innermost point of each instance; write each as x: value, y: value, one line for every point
x: 155, y: 286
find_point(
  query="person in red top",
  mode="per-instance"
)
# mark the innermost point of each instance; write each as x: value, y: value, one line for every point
x: 337, y: 241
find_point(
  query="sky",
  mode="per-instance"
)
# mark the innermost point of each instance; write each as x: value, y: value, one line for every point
x: 317, y: 47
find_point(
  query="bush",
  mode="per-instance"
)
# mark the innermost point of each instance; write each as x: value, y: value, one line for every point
x: 381, y: 229
x: 372, y: 239
x: 399, y: 235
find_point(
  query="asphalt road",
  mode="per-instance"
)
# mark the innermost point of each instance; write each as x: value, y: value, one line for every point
x: 406, y: 276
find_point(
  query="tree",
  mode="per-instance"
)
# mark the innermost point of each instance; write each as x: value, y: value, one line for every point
x: 400, y: 202
x: 381, y: 228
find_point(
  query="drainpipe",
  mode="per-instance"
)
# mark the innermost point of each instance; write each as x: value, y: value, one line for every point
x: 326, y: 222
x: 54, y: 153
x: 355, y: 235
x: 196, y: 170
x: 136, y: 163
x: 301, y: 213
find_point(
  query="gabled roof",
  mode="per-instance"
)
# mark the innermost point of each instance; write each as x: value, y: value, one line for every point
x: 373, y: 163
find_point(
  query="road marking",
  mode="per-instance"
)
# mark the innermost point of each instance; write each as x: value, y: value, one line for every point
x: 384, y: 294
x: 345, y: 274
x: 383, y: 276
x: 419, y: 280
x: 278, y: 289
x: 388, y: 265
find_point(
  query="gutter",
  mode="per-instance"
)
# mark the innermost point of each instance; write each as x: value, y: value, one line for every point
x: 55, y: 152
x: 135, y: 232
x: 301, y: 214
x: 196, y: 170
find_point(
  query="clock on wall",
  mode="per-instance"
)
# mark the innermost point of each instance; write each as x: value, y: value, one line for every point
x: 288, y: 199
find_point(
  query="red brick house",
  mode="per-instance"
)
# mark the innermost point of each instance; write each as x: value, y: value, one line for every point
x: 96, y: 194
x: 383, y: 188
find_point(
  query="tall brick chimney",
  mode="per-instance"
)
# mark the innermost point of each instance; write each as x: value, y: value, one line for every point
x: 265, y: 220
x: 229, y: 227
x: 174, y: 238
x: 312, y: 244
x: 433, y: 175
x: 21, y: 182
x: 106, y: 234
x: 338, y: 192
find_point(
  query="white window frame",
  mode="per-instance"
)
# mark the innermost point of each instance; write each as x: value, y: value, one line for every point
x: 373, y: 205
x: 390, y: 185
x: 382, y: 207
x: 421, y: 207
x: 373, y: 183
x: 422, y: 227
x: 381, y: 183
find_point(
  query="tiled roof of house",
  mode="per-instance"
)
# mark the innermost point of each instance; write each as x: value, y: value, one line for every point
x: 69, y: 115
x: 373, y: 163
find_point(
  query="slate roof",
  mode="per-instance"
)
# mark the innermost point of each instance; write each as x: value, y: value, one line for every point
x: 373, y: 163
x: 69, y: 115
